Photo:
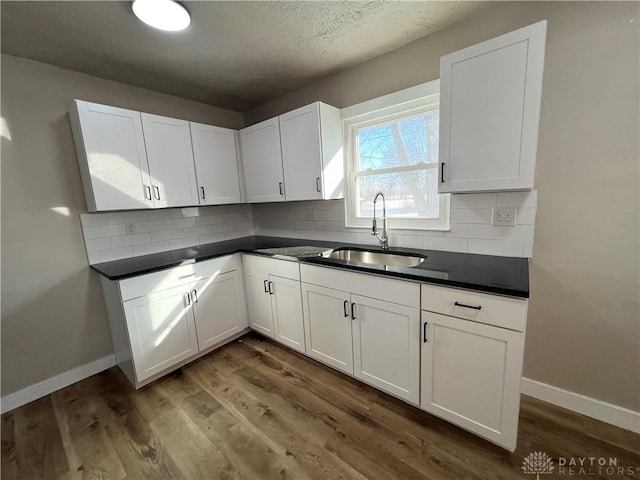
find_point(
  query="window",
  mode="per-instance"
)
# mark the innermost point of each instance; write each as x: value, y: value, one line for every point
x: 392, y: 147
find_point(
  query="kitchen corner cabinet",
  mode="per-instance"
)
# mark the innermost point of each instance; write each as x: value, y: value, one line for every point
x: 216, y: 162
x: 311, y: 140
x: 113, y: 159
x: 170, y: 157
x: 273, y: 299
x: 472, y: 354
x: 296, y: 156
x: 490, y: 96
x: 366, y: 326
x: 262, y: 162
x: 162, y: 320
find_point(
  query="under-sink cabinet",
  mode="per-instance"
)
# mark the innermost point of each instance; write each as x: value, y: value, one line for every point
x: 472, y: 353
x: 165, y: 319
x: 364, y: 325
x: 273, y: 299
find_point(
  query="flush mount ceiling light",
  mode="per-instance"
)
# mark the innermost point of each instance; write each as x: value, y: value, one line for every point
x: 165, y: 15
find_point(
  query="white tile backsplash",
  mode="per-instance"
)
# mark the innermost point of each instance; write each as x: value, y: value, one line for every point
x: 103, y: 232
x: 161, y: 230
x: 470, y: 225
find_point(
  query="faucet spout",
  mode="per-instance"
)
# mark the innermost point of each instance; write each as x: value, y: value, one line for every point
x: 383, y: 239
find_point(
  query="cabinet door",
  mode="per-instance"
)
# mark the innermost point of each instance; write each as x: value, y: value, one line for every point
x: 219, y: 308
x: 262, y: 162
x: 286, y: 306
x: 301, y: 153
x: 214, y: 152
x: 258, y: 301
x: 386, y: 346
x: 489, y: 112
x: 327, y: 325
x: 471, y: 376
x: 161, y: 331
x: 170, y: 156
x: 112, y: 155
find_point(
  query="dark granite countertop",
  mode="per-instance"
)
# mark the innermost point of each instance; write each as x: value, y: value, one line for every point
x: 486, y: 273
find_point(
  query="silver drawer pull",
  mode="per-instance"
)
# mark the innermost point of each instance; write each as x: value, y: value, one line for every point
x: 186, y: 276
x: 473, y: 307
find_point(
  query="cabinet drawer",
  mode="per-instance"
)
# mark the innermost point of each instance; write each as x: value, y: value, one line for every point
x: 172, y: 277
x: 271, y: 266
x: 372, y: 286
x: 502, y: 312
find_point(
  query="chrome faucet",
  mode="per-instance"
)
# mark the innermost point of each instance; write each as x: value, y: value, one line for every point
x: 384, y: 239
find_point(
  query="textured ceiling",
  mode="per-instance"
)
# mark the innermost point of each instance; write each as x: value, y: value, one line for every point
x: 236, y: 54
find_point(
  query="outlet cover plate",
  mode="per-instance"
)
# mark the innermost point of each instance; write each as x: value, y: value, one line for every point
x: 311, y: 214
x: 131, y: 228
x: 504, y: 216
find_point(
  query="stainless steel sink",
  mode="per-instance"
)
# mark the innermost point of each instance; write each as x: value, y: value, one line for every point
x: 376, y: 258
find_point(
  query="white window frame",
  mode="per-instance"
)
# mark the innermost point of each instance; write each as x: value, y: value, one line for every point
x: 402, y: 104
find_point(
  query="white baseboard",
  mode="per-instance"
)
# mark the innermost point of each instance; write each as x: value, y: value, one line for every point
x: 603, y: 411
x: 50, y: 385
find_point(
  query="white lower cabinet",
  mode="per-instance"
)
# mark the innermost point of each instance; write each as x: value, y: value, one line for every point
x: 327, y: 322
x: 164, y: 319
x: 273, y: 299
x: 375, y: 339
x: 386, y: 346
x: 219, y: 308
x: 471, y: 369
x: 161, y: 330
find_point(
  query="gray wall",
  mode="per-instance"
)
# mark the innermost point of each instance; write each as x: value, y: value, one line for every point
x: 53, y: 314
x: 584, y: 319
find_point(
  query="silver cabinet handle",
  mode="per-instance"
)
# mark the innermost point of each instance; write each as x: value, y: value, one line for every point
x: 156, y: 189
x: 353, y: 311
x: 281, y: 188
x: 147, y: 192
x: 186, y: 276
x: 194, y: 296
x: 266, y: 288
x: 202, y: 193
x: 187, y: 299
x: 473, y: 307
x: 346, y: 308
x: 318, y: 184
x: 270, y: 288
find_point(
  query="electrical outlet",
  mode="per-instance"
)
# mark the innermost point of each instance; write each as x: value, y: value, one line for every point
x: 131, y: 228
x: 504, y: 216
x: 311, y: 214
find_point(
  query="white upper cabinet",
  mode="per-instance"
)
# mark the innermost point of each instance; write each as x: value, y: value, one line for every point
x: 296, y: 156
x: 312, y: 157
x: 216, y: 161
x: 262, y: 162
x: 113, y: 161
x: 490, y: 97
x: 170, y: 157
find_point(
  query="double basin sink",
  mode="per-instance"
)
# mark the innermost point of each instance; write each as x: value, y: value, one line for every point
x: 375, y: 258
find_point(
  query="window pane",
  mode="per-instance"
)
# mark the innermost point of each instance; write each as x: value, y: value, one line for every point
x: 407, y: 194
x: 401, y: 143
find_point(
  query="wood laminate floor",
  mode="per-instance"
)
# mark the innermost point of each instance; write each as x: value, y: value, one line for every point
x: 256, y: 410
